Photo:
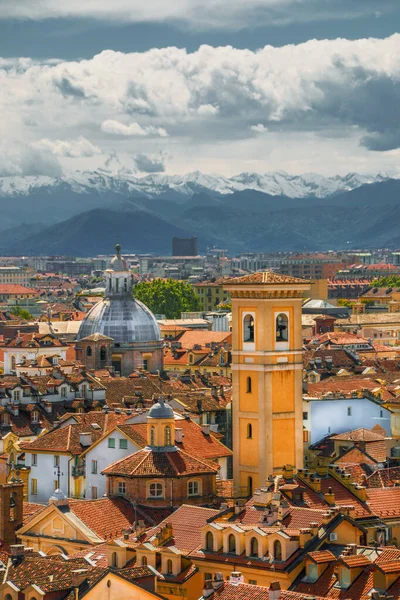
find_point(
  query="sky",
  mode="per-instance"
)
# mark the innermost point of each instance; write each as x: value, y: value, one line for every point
x: 220, y: 86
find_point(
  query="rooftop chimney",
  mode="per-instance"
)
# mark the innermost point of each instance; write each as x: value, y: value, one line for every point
x: 236, y: 578
x: 274, y: 591
x: 205, y: 428
x: 178, y: 435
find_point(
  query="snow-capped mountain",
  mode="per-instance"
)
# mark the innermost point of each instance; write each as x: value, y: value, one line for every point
x: 127, y: 183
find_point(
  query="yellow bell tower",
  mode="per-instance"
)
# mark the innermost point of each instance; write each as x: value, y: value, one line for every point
x: 267, y: 419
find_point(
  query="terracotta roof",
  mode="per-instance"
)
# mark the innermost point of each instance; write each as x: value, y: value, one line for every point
x: 67, y: 438
x: 187, y: 522
x: 30, y: 510
x: 50, y: 573
x: 340, y: 338
x: 359, y: 435
x: 15, y: 288
x: 245, y: 591
x: 355, y: 560
x: 357, y: 463
x: 191, y: 337
x: 383, y: 477
x: 265, y: 278
x: 194, y: 441
x: 390, y: 567
x: 106, y: 517
x: 145, y: 463
x: 321, y: 556
x: 384, y: 502
x: 34, y: 340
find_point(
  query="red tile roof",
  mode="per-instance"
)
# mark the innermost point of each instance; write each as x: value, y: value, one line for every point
x: 106, y: 517
x: 245, y: 591
x: 189, y: 338
x: 145, y: 463
x: 187, y: 522
x: 359, y: 435
x: 355, y: 560
x: 194, y: 441
x: 322, y: 556
x: 67, y: 438
x: 265, y: 278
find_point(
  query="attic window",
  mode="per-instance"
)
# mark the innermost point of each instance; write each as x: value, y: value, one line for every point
x: 95, y: 426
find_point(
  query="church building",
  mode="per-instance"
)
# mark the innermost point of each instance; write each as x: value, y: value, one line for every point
x: 120, y: 331
x: 267, y: 419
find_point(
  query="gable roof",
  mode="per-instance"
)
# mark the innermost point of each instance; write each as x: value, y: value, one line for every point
x: 97, y: 520
x: 67, y: 439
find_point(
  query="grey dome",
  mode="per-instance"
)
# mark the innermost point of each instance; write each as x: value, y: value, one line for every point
x: 160, y: 410
x: 125, y: 320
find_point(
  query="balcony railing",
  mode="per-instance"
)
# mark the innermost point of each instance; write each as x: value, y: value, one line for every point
x: 78, y: 471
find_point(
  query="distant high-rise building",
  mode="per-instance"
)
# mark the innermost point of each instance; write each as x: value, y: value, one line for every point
x: 184, y: 246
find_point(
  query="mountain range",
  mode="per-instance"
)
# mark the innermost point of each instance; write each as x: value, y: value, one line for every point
x: 84, y: 213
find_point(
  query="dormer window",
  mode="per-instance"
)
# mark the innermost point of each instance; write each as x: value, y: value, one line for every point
x: 16, y: 395
x: 312, y: 572
x: 35, y: 416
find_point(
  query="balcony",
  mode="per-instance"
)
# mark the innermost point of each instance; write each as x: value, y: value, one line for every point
x: 78, y: 471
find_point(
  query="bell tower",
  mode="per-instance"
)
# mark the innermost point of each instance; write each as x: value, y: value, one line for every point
x: 11, y: 510
x: 267, y: 419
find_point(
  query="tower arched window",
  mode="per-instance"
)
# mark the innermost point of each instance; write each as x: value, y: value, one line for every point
x: 231, y: 543
x: 254, y: 547
x: 167, y: 436
x: 117, y: 285
x: 250, y: 485
x: 248, y: 385
x: 169, y: 566
x: 114, y: 559
x: 103, y: 353
x: 144, y: 561
x: 249, y: 431
x: 248, y: 328
x: 277, y: 550
x: 282, y: 328
x: 152, y: 436
x: 209, y: 541
x: 89, y: 351
x: 13, y: 363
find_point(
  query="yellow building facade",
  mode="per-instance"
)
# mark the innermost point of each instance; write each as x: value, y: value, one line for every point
x: 266, y: 375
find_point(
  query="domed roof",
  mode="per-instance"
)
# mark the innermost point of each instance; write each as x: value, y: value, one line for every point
x: 161, y: 410
x: 122, y: 319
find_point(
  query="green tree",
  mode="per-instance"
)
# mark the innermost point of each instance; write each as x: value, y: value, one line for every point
x: 23, y: 314
x: 167, y: 297
x: 392, y: 281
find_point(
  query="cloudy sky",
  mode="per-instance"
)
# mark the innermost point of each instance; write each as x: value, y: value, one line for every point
x: 222, y: 86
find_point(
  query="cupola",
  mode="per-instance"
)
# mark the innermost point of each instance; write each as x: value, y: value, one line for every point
x: 161, y: 426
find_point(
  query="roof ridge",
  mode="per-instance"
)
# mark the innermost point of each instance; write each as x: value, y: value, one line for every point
x: 200, y: 460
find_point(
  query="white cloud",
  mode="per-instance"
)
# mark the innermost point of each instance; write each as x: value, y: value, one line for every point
x: 329, y: 88
x: 78, y: 148
x: 218, y: 14
x: 133, y: 129
x: 18, y: 159
x: 259, y: 128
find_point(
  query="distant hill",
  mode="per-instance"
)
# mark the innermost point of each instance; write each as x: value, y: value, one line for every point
x: 91, y: 232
